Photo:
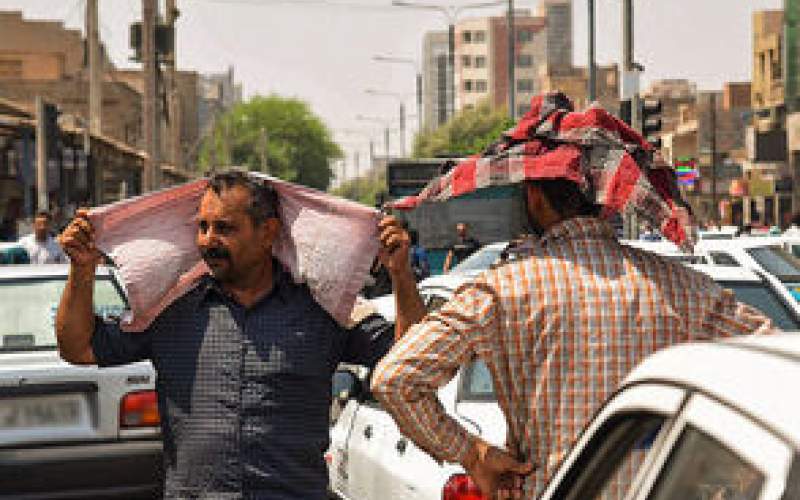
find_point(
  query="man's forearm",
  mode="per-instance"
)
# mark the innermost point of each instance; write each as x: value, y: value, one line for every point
x: 75, y: 316
x: 409, y: 307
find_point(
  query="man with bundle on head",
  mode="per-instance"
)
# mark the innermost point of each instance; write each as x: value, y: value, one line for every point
x: 245, y: 354
x: 558, y: 330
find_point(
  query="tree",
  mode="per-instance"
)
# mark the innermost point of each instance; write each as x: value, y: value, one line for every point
x: 276, y: 135
x: 468, y: 132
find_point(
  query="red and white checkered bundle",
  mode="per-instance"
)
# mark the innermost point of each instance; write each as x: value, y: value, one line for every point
x: 614, y: 165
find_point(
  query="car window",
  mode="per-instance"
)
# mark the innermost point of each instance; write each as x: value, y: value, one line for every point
x: 609, y: 463
x: 701, y: 467
x: 28, y: 309
x: 477, y: 383
x: 763, y: 298
x: 479, y: 261
x: 723, y: 259
x: 776, y: 261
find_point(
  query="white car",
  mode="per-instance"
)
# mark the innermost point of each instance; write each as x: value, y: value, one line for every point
x: 369, y: 459
x: 69, y: 431
x: 767, y: 255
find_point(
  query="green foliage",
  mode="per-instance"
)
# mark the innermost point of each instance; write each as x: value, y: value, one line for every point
x: 363, y: 189
x: 468, y: 132
x: 296, y: 144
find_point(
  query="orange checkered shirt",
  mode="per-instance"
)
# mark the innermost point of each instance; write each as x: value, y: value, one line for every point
x: 559, y: 331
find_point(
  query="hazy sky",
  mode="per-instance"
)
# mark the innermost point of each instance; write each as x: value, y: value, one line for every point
x: 321, y: 50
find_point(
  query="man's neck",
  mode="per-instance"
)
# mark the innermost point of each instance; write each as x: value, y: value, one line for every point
x: 257, y: 285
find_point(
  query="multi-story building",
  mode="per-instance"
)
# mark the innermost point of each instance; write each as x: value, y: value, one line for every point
x: 767, y: 87
x: 573, y: 81
x: 673, y: 94
x: 435, y: 91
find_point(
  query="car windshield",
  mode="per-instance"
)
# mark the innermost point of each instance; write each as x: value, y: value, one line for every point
x: 777, y: 261
x: 760, y: 296
x: 479, y: 261
x: 28, y: 309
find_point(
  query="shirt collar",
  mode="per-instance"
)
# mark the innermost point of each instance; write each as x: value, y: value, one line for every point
x: 578, y: 228
x: 209, y: 286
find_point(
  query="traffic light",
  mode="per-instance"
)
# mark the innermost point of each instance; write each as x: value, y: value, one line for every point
x: 651, y: 121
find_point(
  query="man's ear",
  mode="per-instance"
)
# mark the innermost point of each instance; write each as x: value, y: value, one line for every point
x: 272, y: 228
x: 535, y: 198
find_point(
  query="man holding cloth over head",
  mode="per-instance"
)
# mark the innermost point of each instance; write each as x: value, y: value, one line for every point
x: 559, y: 330
x: 245, y: 357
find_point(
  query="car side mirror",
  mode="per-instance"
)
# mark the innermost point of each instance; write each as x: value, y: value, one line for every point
x: 346, y: 385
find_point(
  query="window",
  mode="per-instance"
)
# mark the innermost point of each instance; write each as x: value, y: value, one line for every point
x: 480, y: 62
x: 466, y: 61
x: 607, y: 466
x: 10, y: 68
x: 28, y: 308
x: 758, y: 295
x: 723, y: 259
x: 480, y: 36
x: 480, y: 86
x: 467, y: 85
x: 466, y: 36
x: 524, y: 60
x: 776, y: 261
x: 701, y: 467
x: 525, y: 85
x: 477, y: 385
x: 524, y: 35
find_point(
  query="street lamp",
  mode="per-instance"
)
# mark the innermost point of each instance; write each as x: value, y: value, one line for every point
x: 450, y: 12
x: 386, y: 123
x: 399, y: 96
x: 412, y: 62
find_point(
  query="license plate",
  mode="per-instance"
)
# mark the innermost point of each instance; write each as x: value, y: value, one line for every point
x: 50, y: 411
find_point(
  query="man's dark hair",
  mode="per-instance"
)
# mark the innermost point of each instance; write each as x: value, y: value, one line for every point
x: 263, y: 198
x: 43, y: 213
x: 566, y: 198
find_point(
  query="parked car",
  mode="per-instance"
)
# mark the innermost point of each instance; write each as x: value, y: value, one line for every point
x: 767, y: 255
x: 370, y: 459
x: 69, y: 431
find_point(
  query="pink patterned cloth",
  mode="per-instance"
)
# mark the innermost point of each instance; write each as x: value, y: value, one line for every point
x: 326, y: 242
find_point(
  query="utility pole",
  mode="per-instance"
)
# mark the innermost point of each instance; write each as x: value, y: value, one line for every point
x: 42, y: 201
x: 95, y: 69
x: 150, y: 115
x: 451, y: 69
x: 402, y: 129
x: 371, y: 153
x: 713, y: 123
x: 173, y: 101
x: 262, y: 149
x: 591, y: 93
x: 630, y: 91
x: 512, y: 110
x: 357, y: 180
x: 386, y: 141
x: 419, y: 102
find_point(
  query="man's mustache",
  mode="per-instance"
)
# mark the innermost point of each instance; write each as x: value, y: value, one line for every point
x: 215, y: 253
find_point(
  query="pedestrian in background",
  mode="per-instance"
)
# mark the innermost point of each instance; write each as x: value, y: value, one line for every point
x: 419, y: 257
x: 464, y: 246
x: 41, y: 245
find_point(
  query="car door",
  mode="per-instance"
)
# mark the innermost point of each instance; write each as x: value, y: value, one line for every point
x: 368, y: 446
x: 715, y: 452
x: 618, y: 447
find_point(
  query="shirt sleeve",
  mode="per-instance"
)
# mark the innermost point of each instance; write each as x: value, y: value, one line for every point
x: 113, y: 347
x: 368, y: 341
x: 728, y: 318
x: 427, y: 357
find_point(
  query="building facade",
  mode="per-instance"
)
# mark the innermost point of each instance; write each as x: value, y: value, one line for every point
x: 435, y: 91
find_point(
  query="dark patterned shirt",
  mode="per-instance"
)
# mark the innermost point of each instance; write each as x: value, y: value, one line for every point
x: 245, y: 394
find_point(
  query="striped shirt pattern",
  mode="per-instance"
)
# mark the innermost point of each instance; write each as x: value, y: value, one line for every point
x: 559, y: 331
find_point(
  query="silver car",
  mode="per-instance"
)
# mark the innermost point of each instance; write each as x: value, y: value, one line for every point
x: 69, y: 431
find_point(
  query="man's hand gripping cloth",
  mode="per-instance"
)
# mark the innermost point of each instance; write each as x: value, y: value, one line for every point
x: 614, y: 165
x: 326, y: 242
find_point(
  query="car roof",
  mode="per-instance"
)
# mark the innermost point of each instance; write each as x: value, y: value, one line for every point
x: 17, y: 271
x: 661, y: 247
x: 743, y: 375
x: 740, y: 243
